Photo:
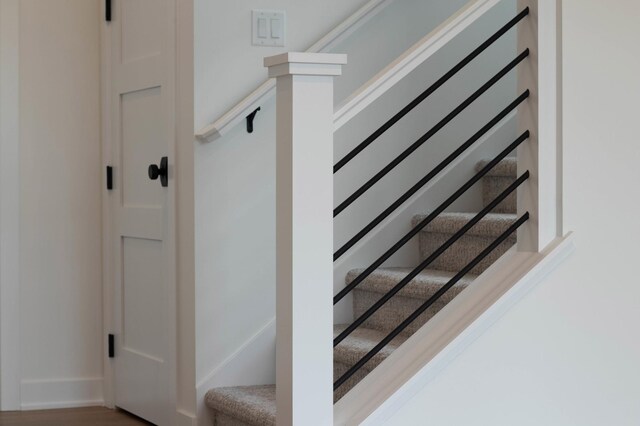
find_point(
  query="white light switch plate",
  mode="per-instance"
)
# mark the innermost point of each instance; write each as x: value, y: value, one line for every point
x: 268, y: 27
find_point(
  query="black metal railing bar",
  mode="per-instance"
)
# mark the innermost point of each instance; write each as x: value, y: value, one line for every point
x: 428, y: 92
x: 430, y: 259
x: 414, y: 231
x: 396, y: 331
x: 427, y: 178
x: 417, y: 144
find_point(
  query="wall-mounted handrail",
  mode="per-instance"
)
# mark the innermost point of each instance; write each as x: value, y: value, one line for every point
x: 242, y: 109
x: 376, y: 86
x: 410, y: 60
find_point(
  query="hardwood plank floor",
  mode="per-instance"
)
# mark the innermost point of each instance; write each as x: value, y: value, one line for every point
x: 94, y: 416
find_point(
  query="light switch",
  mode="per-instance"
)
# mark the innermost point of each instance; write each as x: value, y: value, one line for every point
x: 262, y: 28
x: 268, y: 27
x: 276, y: 28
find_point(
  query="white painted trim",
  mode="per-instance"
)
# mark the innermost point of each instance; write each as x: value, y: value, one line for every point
x: 185, y: 227
x: 237, y: 114
x: 62, y: 393
x: 410, y: 60
x: 559, y: 121
x: 306, y: 58
x: 255, y: 360
x: 539, y: 154
x: 242, y: 359
x: 304, y: 238
x: 185, y: 419
x: 9, y: 206
x: 419, y: 360
x: 108, y: 325
x: 304, y: 63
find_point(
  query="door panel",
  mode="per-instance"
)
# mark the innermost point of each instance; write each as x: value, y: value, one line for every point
x: 143, y: 131
x: 143, y: 292
x: 141, y: 29
x: 142, y: 144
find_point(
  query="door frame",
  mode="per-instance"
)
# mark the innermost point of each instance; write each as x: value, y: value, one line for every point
x: 181, y: 317
x: 10, y: 374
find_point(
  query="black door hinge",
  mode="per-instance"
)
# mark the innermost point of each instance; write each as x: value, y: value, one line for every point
x: 109, y: 178
x: 111, y: 345
x: 107, y: 10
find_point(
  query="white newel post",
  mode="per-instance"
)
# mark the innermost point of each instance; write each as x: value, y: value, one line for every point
x: 304, y: 235
x: 539, y: 195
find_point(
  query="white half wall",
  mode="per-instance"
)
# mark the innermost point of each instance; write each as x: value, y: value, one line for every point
x: 568, y: 353
x: 60, y: 304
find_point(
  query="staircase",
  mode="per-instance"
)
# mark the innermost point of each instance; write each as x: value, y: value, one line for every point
x: 390, y: 304
x: 256, y: 405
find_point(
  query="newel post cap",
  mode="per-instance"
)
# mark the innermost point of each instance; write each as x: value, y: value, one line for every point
x: 305, y: 63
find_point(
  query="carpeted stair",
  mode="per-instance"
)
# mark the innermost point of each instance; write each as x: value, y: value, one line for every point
x: 255, y: 405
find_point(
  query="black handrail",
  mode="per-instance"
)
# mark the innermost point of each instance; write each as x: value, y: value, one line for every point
x: 459, y: 66
x: 417, y: 144
x: 433, y: 173
x: 414, y: 231
x: 396, y: 331
x: 430, y: 259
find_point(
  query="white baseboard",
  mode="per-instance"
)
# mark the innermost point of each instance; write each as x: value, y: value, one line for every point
x: 254, y: 363
x: 185, y: 419
x: 61, y: 393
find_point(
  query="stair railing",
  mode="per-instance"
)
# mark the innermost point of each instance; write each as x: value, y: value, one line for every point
x: 305, y: 125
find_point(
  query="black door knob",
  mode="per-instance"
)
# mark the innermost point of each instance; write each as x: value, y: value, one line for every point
x: 161, y: 171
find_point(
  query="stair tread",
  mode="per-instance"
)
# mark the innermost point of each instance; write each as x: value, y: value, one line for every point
x: 505, y: 168
x: 255, y: 405
x: 492, y: 225
x: 360, y: 342
x: 423, y: 286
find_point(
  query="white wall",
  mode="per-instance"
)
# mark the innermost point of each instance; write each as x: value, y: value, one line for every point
x: 568, y: 353
x: 60, y: 210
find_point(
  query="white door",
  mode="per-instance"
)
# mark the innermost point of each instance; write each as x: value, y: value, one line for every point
x: 142, y: 65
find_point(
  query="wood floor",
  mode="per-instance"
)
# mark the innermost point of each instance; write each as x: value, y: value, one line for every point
x: 94, y: 416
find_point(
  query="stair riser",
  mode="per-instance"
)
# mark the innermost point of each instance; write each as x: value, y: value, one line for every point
x: 492, y: 186
x: 396, y: 310
x: 221, y: 419
x: 462, y: 251
x: 338, y: 370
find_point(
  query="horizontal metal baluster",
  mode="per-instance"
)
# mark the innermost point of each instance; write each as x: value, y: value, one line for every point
x: 417, y: 144
x: 435, y: 86
x: 429, y: 302
x: 433, y: 173
x: 378, y: 262
x: 429, y: 260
